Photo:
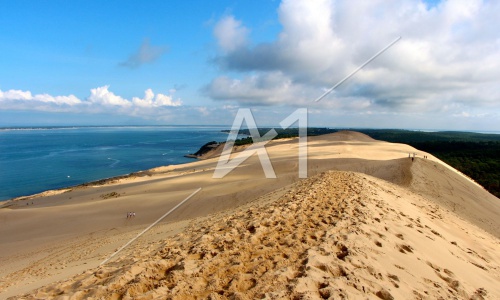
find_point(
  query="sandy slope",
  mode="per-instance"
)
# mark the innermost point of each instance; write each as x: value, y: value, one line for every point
x: 337, y: 234
x: 402, y: 216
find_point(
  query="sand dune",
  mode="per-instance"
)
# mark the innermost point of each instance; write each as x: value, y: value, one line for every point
x: 394, y: 228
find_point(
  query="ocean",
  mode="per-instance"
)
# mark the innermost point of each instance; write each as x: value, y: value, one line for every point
x: 33, y: 160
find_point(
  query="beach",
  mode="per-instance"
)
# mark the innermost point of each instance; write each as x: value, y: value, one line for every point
x: 367, y: 222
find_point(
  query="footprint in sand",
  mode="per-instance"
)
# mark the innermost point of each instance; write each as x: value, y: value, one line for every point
x: 405, y: 248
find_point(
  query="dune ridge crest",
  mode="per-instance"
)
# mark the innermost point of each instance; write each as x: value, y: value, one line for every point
x: 340, y: 136
x: 346, y: 135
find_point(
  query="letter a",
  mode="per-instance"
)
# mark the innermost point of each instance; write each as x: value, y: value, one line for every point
x: 225, y: 166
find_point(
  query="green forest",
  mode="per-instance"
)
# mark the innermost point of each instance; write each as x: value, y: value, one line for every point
x: 475, y: 154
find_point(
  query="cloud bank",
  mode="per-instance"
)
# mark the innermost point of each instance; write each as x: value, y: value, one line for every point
x: 100, y: 100
x: 447, y: 62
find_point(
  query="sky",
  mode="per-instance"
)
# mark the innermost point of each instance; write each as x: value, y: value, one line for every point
x: 198, y: 62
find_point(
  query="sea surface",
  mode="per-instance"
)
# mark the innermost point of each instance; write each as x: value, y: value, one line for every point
x: 33, y: 160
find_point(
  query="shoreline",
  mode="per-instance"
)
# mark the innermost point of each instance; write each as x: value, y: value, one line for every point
x: 212, y: 152
x: 112, y: 179
x: 99, y: 182
x: 28, y: 173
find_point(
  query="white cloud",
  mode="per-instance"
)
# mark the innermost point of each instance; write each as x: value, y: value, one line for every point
x: 59, y: 100
x: 150, y: 100
x: 165, y: 100
x: 272, y: 86
x: 230, y: 34
x: 18, y: 95
x: 103, y: 96
x: 15, y: 95
x: 100, y: 100
x: 447, y: 62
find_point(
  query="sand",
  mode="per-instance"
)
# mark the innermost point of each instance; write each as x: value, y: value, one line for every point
x: 368, y: 222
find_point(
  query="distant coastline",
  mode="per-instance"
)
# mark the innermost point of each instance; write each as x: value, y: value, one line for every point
x: 224, y: 128
x: 7, y: 128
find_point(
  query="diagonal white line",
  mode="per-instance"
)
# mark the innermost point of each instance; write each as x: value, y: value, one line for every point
x: 357, y: 70
x: 149, y: 227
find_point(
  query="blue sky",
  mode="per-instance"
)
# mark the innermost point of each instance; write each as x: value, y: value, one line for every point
x: 197, y: 62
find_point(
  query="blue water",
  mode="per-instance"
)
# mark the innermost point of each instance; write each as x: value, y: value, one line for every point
x: 38, y: 159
